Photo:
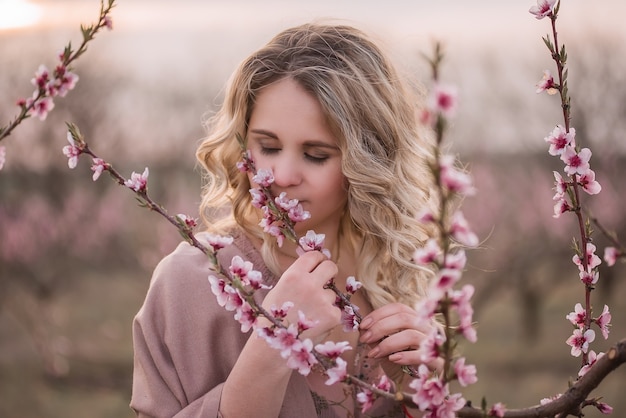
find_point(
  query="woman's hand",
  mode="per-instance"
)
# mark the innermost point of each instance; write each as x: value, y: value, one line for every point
x: 303, y: 285
x: 395, y: 333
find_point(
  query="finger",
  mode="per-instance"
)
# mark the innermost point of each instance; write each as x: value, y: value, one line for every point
x: 325, y: 270
x: 384, y: 312
x: 407, y: 340
x: 393, y: 324
x: 307, y: 262
x: 413, y: 358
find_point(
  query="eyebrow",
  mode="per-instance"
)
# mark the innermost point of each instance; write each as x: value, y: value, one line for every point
x: 308, y: 143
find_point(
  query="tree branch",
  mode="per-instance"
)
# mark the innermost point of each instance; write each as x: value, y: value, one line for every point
x: 570, y: 402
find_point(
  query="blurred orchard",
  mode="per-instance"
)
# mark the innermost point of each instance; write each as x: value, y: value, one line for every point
x: 76, y: 256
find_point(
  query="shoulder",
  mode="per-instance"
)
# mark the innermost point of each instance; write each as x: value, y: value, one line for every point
x: 181, y: 279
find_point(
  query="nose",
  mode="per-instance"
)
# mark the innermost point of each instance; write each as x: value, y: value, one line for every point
x: 287, y: 172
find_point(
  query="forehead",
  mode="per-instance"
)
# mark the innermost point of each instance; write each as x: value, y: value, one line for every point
x: 288, y: 111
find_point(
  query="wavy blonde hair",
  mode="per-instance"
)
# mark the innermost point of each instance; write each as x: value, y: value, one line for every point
x: 373, y: 115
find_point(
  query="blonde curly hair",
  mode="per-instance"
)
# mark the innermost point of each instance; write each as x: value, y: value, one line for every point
x: 384, y: 152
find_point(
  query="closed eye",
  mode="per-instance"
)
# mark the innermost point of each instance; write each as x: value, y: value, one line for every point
x: 269, y: 151
x: 316, y: 159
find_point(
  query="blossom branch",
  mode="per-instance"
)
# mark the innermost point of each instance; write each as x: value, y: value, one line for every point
x: 576, y: 396
x: 62, y: 79
x: 563, y: 144
x: 137, y: 183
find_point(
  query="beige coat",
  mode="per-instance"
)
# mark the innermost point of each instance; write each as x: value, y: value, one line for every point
x: 186, y: 344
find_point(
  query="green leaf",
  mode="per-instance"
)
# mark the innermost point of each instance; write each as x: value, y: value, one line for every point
x: 548, y: 43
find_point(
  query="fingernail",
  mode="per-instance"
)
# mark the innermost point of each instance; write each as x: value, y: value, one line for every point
x: 366, y: 323
x: 366, y: 337
x: 395, y: 357
x: 374, y: 352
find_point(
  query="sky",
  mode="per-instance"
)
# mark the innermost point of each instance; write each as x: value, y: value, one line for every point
x: 163, y: 40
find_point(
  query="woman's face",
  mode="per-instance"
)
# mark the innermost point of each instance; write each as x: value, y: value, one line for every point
x: 288, y: 134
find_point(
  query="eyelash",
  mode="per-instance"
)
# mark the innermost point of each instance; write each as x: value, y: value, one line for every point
x: 310, y: 158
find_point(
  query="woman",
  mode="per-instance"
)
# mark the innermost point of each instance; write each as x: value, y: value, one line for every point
x: 322, y: 107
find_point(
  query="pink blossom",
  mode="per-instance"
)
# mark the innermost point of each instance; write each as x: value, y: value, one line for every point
x: 430, y: 346
x: 338, y: 373
x: 40, y: 107
x: 547, y: 84
x: 282, y: 339
x: 461, y: 301
x: 588, y: 182
x: 42, y: 77
x: 98, y: 166
x: 560, y: 186
x: 589, y: 278
x: 384, y: 383
x: 333, y: 349
x: 543, y: 8
x: 188, y: 221
x: 603, y: 321
x: 429, y: 391
x: 3, y: 156
x: 349, y: 318
x: 611, y: 254
x: 429, y: 253
x: 283, y: 202
x: 561, y: 207
x: 246, y: 316
x: 426, y: 216
x: 576, y: 162
x: 591, y: 358
x: 448, y: 408
x: 240, y: 267
x: 593, y: 260
x: 559, y: 139
x: 461, y: 231
x: 263, y: 178
x: 304, y: 323
x: 273, y: 230
x: 218, y: 286
x: 108, y: 22
x: 259, y: 198
x: 245, y: 165
x: 444, y: 280
x: 443, y: 100
x: 366, y: 399
x: 426, y: 307
x: 352, y: 285
x: 71, y: 152
x: 302, y: 358
x: 468, y: 331
x: 497, y: 410
x: 254, y: 279
x: 281, y: 312
x: 227, y: 296
x: 578, y: 316
x: 456, y: 260
x: 298, y: 214
x: 312, y: 242
x: 138, y: 182
x: 453, y: 179
x: 65, y: 81
x: 243, y: 270
x: 604, y: 408
x: 217, y: 242
x: 579, y: 341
